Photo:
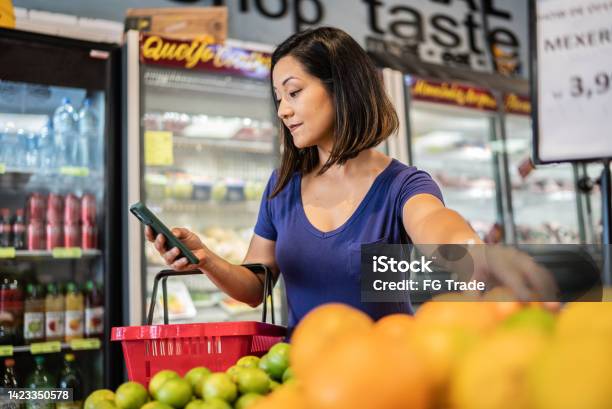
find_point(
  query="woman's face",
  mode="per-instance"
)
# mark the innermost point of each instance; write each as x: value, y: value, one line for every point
x: 304, y: 105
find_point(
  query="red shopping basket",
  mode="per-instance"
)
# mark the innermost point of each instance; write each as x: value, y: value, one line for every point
x: 149, y: 349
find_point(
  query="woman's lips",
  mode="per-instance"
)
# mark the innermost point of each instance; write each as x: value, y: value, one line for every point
x: 294, y: 127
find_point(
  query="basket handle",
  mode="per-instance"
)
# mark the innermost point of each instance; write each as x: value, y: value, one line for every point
x: 164, y: 274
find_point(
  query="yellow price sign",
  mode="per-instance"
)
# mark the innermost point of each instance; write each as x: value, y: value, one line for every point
x: 2, y: 168
x: 159, y: 148
x: 74, y: 171
x: 6, y: 350
x: 7, y: 252
x: 45, y: 347
x: 67, y: 252
x: 85, y: 343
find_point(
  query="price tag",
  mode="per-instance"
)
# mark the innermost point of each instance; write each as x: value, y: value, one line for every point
x: 6, y: 350
x: 45, y: 347
x: 574, y: 80
x: 2, y: 168
x: 74, y: 171
x: 67, y: 252
x: 159, y: 148
x: 7, y: 252
x: 86, y: 343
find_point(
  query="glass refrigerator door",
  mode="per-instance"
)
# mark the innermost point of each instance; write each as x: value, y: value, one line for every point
x: 453, y: 146
x: 55, y: 252
x: 544, y: 198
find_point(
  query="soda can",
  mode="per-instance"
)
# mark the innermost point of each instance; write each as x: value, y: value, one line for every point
x: 36, y: 207
x: 36, y: 235
x: 54, y: 236
x: 72, y: 235
x: 89, y: 236
x: 88, y: 209
x: 55, y: 207
x: 72, y: 209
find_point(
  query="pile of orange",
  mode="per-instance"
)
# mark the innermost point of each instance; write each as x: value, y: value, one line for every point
x: 466, y: 354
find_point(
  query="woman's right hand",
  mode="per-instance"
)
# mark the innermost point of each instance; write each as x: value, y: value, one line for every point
x: 189, y: 239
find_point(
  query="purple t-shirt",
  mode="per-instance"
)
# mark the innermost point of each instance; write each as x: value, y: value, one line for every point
x: 320, y: 267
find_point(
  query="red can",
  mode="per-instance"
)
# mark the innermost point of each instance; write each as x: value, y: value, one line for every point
x: 55, y: 207
x: 36, y: 235
x: 89, y: 234
x: 54, y: 236
x: 88, y: 209
x: 36, y: 207
x: 72, y: 209
x: 72, y: 235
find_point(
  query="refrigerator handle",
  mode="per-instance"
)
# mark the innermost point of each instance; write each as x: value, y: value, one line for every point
x: 164, y: 274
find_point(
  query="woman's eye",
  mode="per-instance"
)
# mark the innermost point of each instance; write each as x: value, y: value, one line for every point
x: 294, y: 93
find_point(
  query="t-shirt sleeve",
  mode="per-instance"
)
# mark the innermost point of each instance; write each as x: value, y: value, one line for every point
x: 265, y: 223
x: 415, y: 182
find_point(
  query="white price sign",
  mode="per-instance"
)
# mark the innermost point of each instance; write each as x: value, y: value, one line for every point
x: 574, y: 80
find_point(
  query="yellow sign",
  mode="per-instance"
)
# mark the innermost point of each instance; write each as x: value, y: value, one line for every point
x: 74, y: 171
x: 159, y: 150
x: 6, y: 350
x: 7, y: 252
x: 85, y: 343
x: 67, y: 252
x: 2, y: 168
x: 45, y: 347
x: 7, y: 14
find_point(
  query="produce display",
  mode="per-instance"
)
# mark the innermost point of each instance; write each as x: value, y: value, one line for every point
x: 459, y: 351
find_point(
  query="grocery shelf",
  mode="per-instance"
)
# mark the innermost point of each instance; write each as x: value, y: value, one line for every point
x: 184, y: 142
x: 55, y: 254
x: 91, y: 344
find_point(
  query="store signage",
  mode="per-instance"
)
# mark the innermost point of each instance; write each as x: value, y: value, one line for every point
x: 67, y: 252
x: 7, y: 252
x: 82, y: 344
x: 6, y: 350
x: 45, y: 347
x: 573, y: 80
x: 203, y: 54
x: 467, y: 97
x: 159, y: 148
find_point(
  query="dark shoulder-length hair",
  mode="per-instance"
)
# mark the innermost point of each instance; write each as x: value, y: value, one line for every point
x: 364, y: 115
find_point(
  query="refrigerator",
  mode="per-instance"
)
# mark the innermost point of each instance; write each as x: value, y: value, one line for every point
x: 201, y: 143
x: 60, y: 244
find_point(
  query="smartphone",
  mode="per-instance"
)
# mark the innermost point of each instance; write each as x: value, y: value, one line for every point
x: 147, y: 218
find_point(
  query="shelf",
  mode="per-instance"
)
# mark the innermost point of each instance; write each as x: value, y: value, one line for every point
x: 260, y: 147
x: 189, y: 205
x: 91, y: 344
x: 58, y: 253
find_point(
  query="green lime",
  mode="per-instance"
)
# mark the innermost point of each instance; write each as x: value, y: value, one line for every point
x: 216, y: 403
x: 159, y: 379
x: 245, y: 401
x: 101, y: 394
x: 249, y: 361
x: 195, y: 404
x: 155, y: 405
x: 233, y: 372
x: 287, y: 375
x: 103, y: 404
x: 175, y: 392
x: 219, y: 385
x: 276, y: 361
x: 253, y: 380
x: 274, y: 385
x: 195, y: 377
x: 131, y: 395
x: 531, y: 318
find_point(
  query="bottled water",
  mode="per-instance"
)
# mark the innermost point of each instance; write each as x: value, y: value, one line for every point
x: 46, y: 148
x: 65, y: 131
x: 31, y: 153
x: 11, y: 146
x: 88, y: 136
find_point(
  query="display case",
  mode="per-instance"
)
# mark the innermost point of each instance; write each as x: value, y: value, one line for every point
x: 207, y: 146
x: 59, y: 242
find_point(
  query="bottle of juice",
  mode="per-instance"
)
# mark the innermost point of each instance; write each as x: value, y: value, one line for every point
x: 34, y: 314
x: 11, y: 310
x: 74, y: 313
x: 54, y: 313
x: 39, y: 379
x: 94, y: 311
x: 70, y: 378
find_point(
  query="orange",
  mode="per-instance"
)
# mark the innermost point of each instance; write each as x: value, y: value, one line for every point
x: 476, y: 316
x: 579, y: 319
x: 288, y: 396
x: 503, y: 302
x: 399, y: 326
x: 320, y: 329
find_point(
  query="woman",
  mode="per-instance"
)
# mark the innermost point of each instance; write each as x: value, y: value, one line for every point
x: 335, y: 192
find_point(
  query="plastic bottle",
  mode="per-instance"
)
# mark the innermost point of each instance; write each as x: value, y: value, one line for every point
x: 31, y: 154
x: 39, y: 379
x: 6, y: 235
x: 19, y: 228
x: 11, y: 310
x: 9, y: 380
x: 54, y: 313
x: 74, y: 313
x: 94, y: 311
x: 70, y: 378
x: 46, y: 149
x: 64, y: 133
x: 34, y: 314
x: 88, y: 136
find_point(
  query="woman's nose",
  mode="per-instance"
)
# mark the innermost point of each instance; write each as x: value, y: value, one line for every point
x: 284, y: 110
